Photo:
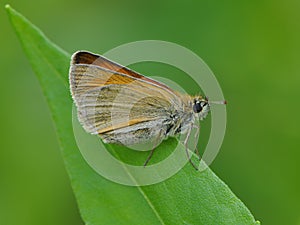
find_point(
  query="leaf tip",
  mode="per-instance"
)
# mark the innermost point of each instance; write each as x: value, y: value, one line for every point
x: 7, y: 6
x: 9, y: 9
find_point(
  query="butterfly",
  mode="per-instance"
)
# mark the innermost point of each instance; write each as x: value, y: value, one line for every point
x: 124, y: 107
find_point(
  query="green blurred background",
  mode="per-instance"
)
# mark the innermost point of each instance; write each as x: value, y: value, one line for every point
x: 253, y: 47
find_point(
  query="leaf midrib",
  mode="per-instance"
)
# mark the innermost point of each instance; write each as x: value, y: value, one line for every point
x: 140, y: 190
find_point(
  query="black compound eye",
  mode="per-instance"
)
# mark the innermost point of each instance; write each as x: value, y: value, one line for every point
x: 197, y: 107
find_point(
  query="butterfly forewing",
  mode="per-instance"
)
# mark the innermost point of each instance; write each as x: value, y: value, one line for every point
x: 88, y: 58
x: 110, y: 102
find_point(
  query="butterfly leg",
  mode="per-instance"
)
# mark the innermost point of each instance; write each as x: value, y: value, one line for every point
x: 196, y: 137
x: 149, y: 157
x: 186, y: 147
x: 154, y: 147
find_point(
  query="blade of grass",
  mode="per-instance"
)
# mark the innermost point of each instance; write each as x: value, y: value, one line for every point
x: 186, y: 198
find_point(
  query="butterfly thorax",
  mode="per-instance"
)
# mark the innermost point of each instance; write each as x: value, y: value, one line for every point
x: 181, y: 117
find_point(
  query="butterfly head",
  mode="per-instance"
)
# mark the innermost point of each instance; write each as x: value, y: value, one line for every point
x: 201, y: 106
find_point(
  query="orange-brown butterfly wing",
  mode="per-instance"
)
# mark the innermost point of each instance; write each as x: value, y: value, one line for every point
x: 83, y: 57
x: 108, y: 100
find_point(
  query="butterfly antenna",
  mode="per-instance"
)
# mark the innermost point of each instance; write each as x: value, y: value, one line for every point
x: 218, y: 102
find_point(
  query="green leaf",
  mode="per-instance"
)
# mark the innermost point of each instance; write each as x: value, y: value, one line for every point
x: 189, y: 197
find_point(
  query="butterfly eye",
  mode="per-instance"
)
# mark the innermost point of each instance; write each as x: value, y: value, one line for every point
x: 197, y: 107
